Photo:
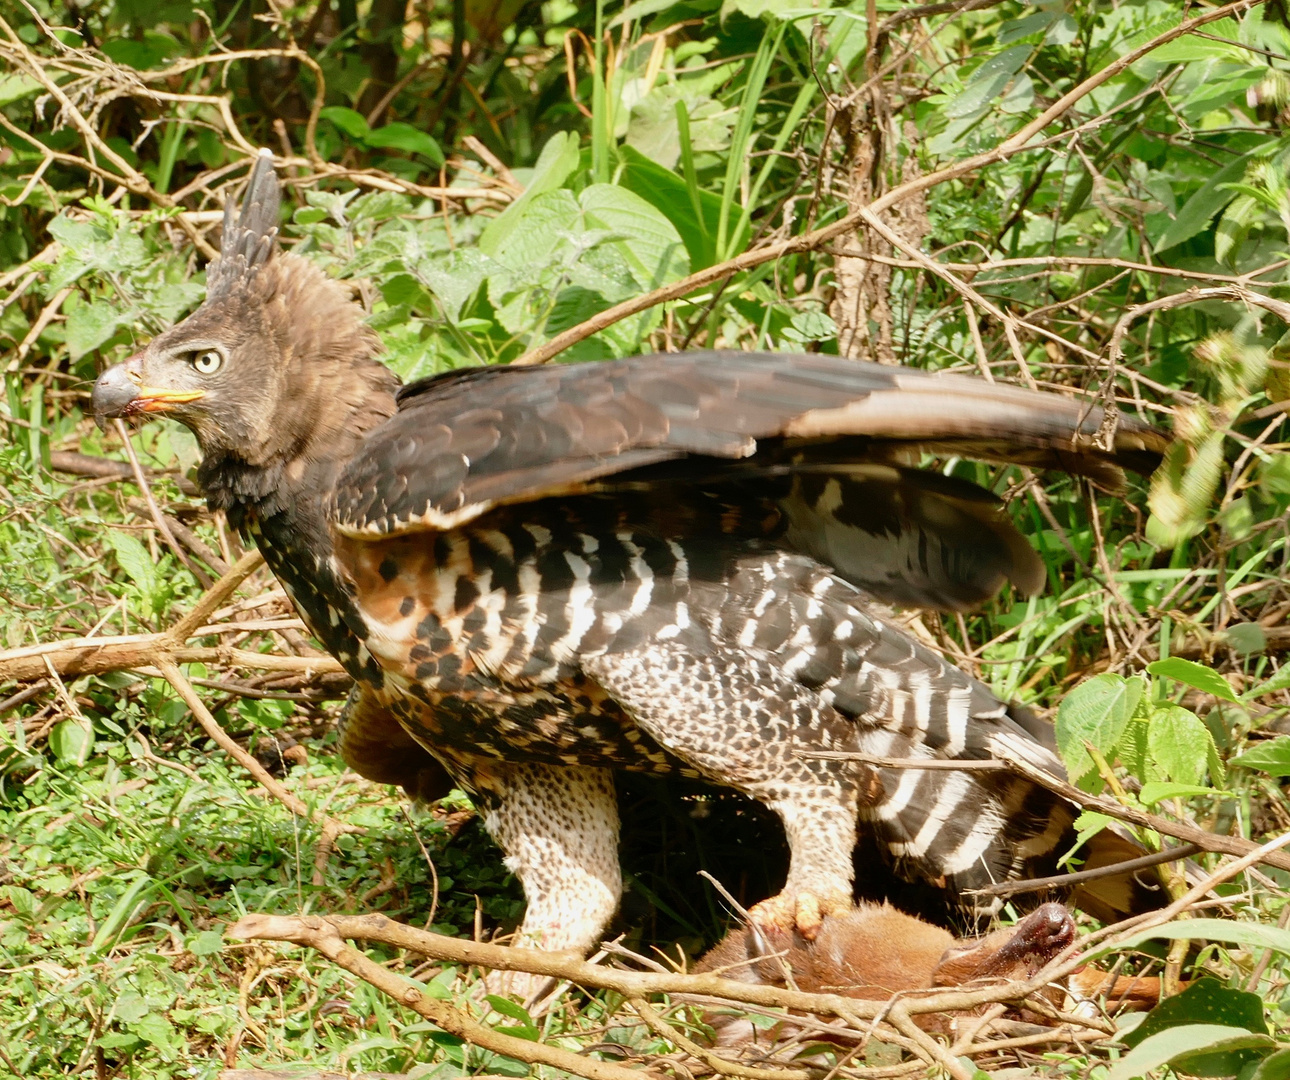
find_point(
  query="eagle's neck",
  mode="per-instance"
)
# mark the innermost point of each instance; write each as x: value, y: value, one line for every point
x: 285, y: 506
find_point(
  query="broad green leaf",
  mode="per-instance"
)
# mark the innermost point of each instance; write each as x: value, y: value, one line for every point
x: 1195, y: 675
x: 1179, y: 742
x: 90, y: 324
x: 72, y: 741
x: 653, y: 247
x: 15, y: 86
x: 349, y: 121
x: 987, y: 82
x: 206, y: 943
x: 134, y: 559
x: 1272, y: 757
x: 1095, y: 712
x: 1176, y: 1043
x: 1205, y: 1002
x: 554, y: 166
x: 1247, y: 638
x: 401, y: 136
x: 668, y: 192
x: 130, y: 1008
x: 1190, y: 47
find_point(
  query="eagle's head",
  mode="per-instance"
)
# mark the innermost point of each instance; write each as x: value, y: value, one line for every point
x: 277, y: 365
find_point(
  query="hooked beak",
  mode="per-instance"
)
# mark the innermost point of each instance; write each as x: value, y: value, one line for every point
x: 119, y: 391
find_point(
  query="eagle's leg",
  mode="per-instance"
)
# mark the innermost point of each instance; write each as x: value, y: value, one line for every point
x: 740, y: 721
x: 557, y: 826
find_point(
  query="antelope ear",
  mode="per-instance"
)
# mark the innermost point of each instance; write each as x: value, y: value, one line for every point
x: 249, y: 241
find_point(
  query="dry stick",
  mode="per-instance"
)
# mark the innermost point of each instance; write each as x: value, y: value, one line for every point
x: 94, y: 656
x: 322, y: 935
x: 1235, y: 291
x: 809, y: 241
x: 449, y: 950
x: 1128, y: 866
x: 133, y: 180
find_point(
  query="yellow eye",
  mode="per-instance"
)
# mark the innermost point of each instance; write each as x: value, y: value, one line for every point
x: 208, y: 362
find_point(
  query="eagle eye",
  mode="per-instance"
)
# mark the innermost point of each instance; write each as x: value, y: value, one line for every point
x: 207, y: 362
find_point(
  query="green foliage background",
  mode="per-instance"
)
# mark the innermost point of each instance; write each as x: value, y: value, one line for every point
x: 491, y: 174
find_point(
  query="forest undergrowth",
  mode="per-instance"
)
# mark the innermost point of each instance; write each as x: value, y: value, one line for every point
x: 1086, y: 197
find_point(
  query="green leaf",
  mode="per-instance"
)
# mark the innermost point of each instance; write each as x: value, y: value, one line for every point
x: 1207, y: 1003
x: 1197, y: 676
x: 130, y: 1008
x: 987, y: 82
x: 1221, y: 1043
x: 1253, y: 935
x: 1096, y: 713
x: 554, y: 166
x: 1203, y: 205
x: 509, y: 1008
x: 1158, y: 790
x: 134, y: 559
x: 89, y: 325
x: 1016, y: 29
x: 72, y: 741
x: 156, y: 1028
x: 1273, y: 1067
x: 15, y: 87
x: 1271, y: 757
x: 1247, y: 638
x: 1179, y: 743
x: 349, y: 121
x: 654, y: 249
x: 1279, y: 681
x: 206, y: 943
x: 400, y: 136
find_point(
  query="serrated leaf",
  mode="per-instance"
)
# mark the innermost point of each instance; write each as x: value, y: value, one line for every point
x: 555, y: 164
x: 1192, y: 674
x: 1179, y: 743
x: 90, y: 325
x: 1096, y: 713
x: 653, y: 248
